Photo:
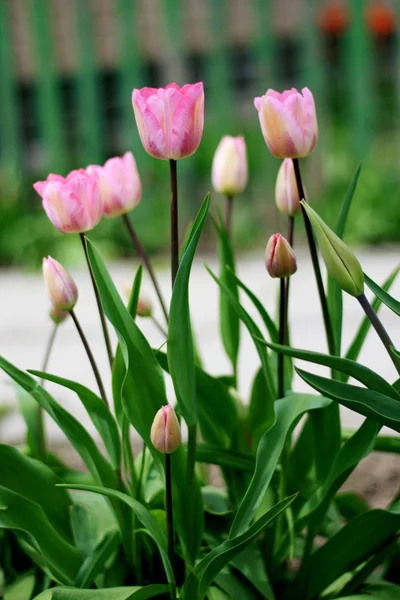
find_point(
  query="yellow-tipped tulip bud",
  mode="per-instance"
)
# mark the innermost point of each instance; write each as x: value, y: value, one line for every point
x: 165, y: 432
x: 340, y: 262
x: 280, y: 259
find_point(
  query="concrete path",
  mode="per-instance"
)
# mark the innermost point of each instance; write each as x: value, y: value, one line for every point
x: 24, y: 327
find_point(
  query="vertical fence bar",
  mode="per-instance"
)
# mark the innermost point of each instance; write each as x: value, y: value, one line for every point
x: 130, y: 73
x: 359, y: 86
x: 9, y: 139
x: 48, y: 93
x: 91, y: 148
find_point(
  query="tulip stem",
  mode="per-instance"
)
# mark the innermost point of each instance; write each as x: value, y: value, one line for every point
x: 40, y: 433
x: 145, y: 260
x: 90, y: 357
x: 290, y: 230
x: 290, y: 240
x: 99, y: 306
x: 228, y: 214
x: 315, y: 262
x: 170, y: 518
x: 174, y: 221
x: 379, y: 328
x: 282, y: 337
x: 159, y: 326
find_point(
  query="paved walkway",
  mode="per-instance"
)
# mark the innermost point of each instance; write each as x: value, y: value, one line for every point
x: 24, y: 327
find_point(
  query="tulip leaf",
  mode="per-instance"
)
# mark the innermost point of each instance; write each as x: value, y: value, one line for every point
x: 120, y: 593
x: 357, y: 541
x: 380, y: 293
x: 229, y: 320
x: 378, y: 591
x: 207, y: 569
x: 351, y: 368
x: 142, y: 514
x: 94, y: 563
x: 269, y: 414
x: 180, y: 342
x: 344, y: 211
x: 288, y: 412
x: 36, y: 482
x: 359, y: 339
x: 370, y: 403
x: 215, y: 455
x: 98, y: 412
x: 23, y: 515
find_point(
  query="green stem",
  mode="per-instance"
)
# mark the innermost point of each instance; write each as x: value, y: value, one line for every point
x: 380, y: 330
x: 281, y: 338
x: 315, y: 262
x: 90, y: 357
x: 174, y: 221
x: 145, y: 259
x: 228, y: 214
x: 98, y: 301
x: 139, y: 494
x: 170, y: 519
x: 41, y: 437
x: 159, y: 326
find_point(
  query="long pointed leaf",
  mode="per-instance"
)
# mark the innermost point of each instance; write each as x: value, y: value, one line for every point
x: 386, y: 298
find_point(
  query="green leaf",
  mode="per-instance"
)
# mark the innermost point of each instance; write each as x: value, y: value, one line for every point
x: 142, y: 514
x: 288, y: 412
x: 21, y: 589
x: 362, y: 537
x: 208, y: 568
x: 180, y: 343
x: 36, y: 482
x: 213, y: 454
x: 379, y: 591
x: 121, y: 593
x: 364, y: 375
x: 229, y: 321
x: 374, y: 405
x: 21, y: 514
x: 250, y: 564
x: 359, y: 339
x: 344, y: 211
x: 28, y: 408
x: 98, y: 412
x: 269, y: 415
x: 143, y: 391
x: 383, y: 296
x: 94, y: 563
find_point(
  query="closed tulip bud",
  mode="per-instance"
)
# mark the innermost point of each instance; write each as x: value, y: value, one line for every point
x: 288, y: 122
x: 120, y: 185
x: 170, y: 120
x: 280, y: 259
x: 60, y: 286
x: 165, y: 432
x: 58, y: 316
x: 286, y: 191
x: 229, y: 168
x: 340, y: 262
x: 73, y: 204
x: 144, y: 308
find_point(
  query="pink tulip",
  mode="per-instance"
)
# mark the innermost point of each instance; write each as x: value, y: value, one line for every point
x: 120, y: 185
x: 73, y: 204
x: 60, y: 286
x: 165, y: 431
x: 286, y: 191
x: 280, y: 259
x: 229, y: 168
x: 170, y: 120
x: 288, y: 122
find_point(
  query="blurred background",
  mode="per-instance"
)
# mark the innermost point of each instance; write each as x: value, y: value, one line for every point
x: 67, y: 70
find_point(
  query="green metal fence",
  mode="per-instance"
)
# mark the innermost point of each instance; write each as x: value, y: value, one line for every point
x: 349, y: 88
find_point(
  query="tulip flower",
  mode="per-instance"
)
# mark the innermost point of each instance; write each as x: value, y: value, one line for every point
x: 120, y: 185
x: 165, y: 432
x: 229, y: 167
x: 286, y: 191
x: 73, y: 204
x: 170, y: 120
x: 280, y: 259
x: 340, y: 262
x: 60, y: 286
x: 288, y: 122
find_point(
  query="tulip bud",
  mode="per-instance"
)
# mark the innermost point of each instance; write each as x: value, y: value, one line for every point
x: 60, y: 286
x: 58, y: 316
x: 340, y: 262
x: 229, y: 168
x: 280, y: 259
x: 144, y: 308
x: 165, y: 432
x: 288, y: 122
x: 286, y: 191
